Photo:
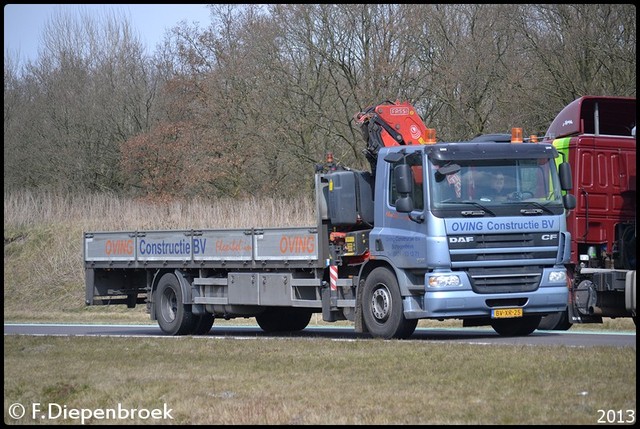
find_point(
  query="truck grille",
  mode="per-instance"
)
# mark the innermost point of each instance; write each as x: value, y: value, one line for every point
x: 503, y: 280
x: 504, y: 262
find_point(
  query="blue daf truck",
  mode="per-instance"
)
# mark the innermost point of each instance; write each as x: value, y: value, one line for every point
x: 424, y: 234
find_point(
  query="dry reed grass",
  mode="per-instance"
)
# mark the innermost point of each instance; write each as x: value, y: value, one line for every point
x: 43, y: 267
x: 108, y: 212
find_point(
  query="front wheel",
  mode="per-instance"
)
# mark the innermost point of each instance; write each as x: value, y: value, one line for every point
x: 555, y: 322
x: 516, y: 327
x: 173, y: 316
x: 382, y: 306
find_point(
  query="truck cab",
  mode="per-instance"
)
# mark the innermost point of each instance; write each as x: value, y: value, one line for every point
x: 455, y: 250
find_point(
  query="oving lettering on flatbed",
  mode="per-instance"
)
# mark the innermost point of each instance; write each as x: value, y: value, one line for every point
x: 286, y: 245
x: 118, y: 247
x: 297, y: 244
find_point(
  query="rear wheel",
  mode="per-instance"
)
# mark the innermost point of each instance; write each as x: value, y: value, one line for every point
x: 279, y: 319
x: 382, y: 306
x: 173, y: 316
x: 203, y: 324
x: 516, y: 327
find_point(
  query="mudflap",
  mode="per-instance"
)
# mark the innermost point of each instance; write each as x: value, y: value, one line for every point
x: 360, y: 327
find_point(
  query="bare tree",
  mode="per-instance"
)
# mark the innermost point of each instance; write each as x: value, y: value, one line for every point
x: 248, y: 105
x: 89, y: 89
x: 575, y: 50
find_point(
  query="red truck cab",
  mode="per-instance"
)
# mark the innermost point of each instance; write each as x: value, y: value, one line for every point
x: 597, y: 136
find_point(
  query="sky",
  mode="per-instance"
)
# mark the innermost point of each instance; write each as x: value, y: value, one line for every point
x: 24, y: 23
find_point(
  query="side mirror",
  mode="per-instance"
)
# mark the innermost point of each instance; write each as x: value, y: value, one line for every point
x: 566, y: 181
x: 404, y: 204
x: 403, y: 178
x: 569, y: 201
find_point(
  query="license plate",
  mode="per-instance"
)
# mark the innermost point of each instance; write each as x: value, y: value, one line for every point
x: 503, y: 313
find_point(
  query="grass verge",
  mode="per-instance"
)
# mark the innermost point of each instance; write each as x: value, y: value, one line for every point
x: 319, y: 381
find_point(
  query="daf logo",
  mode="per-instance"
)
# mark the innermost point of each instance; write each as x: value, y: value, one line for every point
x: 549, y: 236
x: 460, y: 239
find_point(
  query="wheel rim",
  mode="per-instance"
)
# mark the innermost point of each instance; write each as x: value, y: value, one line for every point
x: 381, y: 303
x: 169, y: 305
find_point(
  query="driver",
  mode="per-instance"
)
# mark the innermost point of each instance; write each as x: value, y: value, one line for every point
x: 496, y: 189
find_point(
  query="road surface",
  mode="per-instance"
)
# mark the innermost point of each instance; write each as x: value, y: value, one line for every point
x: 574, y: 338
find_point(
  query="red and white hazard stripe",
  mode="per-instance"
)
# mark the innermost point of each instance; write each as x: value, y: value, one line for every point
x: 333, y: 273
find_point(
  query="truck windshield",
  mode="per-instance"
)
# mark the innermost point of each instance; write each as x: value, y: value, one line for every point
x: 504, y: 186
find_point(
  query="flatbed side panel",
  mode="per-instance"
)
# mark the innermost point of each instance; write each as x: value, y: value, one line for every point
x: 110, y: 246
x: 166, y: 246
x: 286, y: 244
x: 223, y: 245
x: 185, y: 246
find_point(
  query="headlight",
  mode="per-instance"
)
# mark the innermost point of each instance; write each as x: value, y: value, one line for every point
x: 444, y: 281
x: 558, y: 276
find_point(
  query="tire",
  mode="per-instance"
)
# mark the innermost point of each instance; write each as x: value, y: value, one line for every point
x: 382, y: 306
x: 283, y: 319
x: 520, y: 327
x: 173, y: 316
x: 555, y: 322
x: 203, y: 324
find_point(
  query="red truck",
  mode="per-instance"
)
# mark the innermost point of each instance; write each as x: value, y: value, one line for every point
x: 597, y: 136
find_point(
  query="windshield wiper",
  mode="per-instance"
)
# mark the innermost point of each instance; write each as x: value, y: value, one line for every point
x: 541, y: 207
x: 481, y: 212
